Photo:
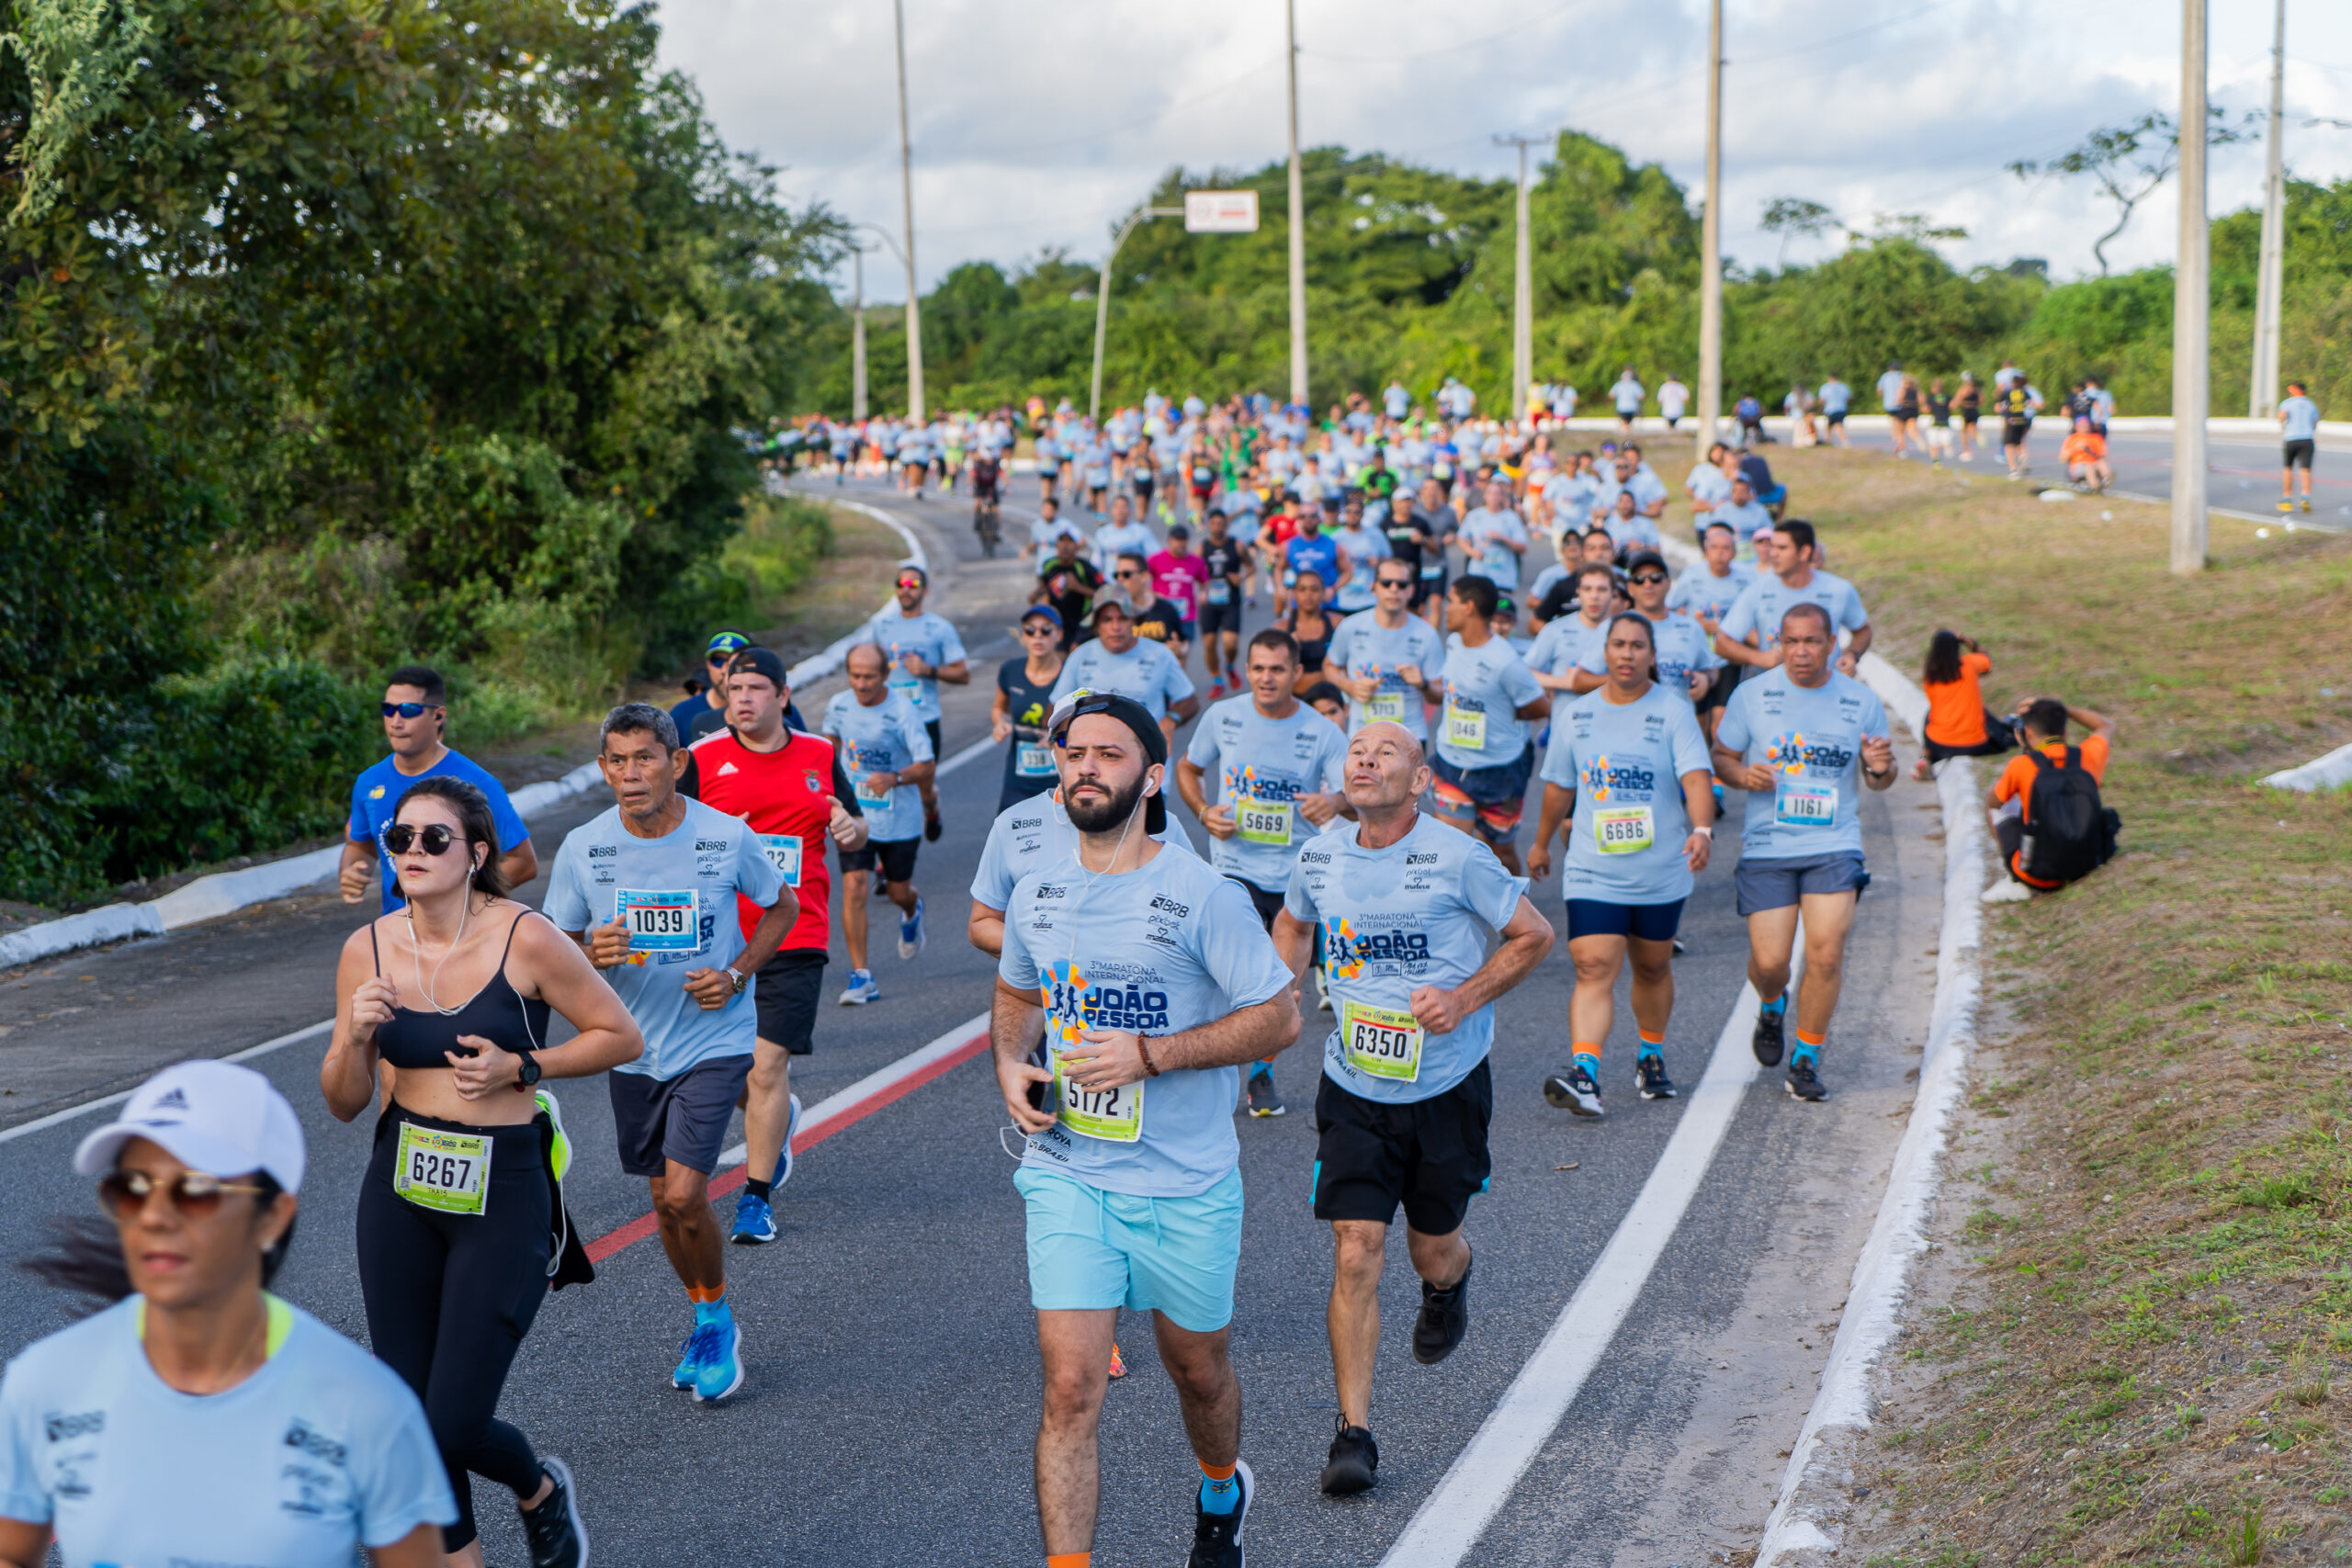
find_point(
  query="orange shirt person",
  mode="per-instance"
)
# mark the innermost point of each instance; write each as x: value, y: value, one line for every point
x: 1959, y: 723
x: 2043, y: 721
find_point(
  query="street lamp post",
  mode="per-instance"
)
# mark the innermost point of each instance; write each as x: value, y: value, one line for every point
x: 2272, y: 270
x: 1297, y: 219
x: 2190, y: 305
x: 907, y: 212
x: 857, y: 335
x: 1522, y: 292
x: 1103, y: 296
x: 1711, y: 244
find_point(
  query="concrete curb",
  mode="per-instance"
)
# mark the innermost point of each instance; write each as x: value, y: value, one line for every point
x: 226, y: 892
x: 2331, y: 772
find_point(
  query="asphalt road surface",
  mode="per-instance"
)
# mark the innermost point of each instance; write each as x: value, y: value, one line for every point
x: 892, y: 1392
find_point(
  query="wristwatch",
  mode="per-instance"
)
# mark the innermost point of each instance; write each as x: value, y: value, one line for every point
x: 738, y: 979
x: 528, y: 1074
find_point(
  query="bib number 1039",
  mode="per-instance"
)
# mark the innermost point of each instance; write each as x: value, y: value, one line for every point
x: 660, y: 921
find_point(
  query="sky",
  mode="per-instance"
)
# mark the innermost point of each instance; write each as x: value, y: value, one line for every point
x: 1036, y: 123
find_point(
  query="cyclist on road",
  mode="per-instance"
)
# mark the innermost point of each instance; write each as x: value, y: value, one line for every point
x: 1804, y: 735
x: 1400, y: 910
x: 923, y: 649
x: 886, y: 752
x: 416, y: 718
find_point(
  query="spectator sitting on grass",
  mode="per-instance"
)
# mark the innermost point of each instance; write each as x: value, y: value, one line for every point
x: 1959, y: 723
x: 2052, y: 826
x: 2084, y: 455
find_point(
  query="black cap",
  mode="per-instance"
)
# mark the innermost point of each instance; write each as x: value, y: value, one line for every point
x: 1136, y: 717
x: 761, y: 662
x: 1641, y: 559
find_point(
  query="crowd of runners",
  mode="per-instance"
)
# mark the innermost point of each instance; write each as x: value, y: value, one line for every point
x: 1360, y: 767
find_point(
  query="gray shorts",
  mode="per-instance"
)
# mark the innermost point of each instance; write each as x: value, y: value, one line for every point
x: 1763, y: 885
x: 682, y: 1119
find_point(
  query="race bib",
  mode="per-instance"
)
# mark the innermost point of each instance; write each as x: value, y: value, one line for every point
x: 1384, y: 706
x: 1261, y: 821
x: 783, y: 850
x: 660, y: 921
x: 1380, y: 1042
x: 1805, y: 804
x: 1221, y: 591
x: 434, y: 1169
x: 1621, y: 829
x: 1033, y: 762
x: 868, y: 796
x: 1443, y: 470
x: 911, y: 686
x: 1465, y: 727
x: 1113, y: 1115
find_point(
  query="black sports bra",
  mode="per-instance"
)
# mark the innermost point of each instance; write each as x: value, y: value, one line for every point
x: 498, y: 1013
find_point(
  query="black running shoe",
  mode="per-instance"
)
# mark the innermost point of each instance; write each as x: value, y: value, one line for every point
x: 1650, y: 1073
x: 1354, y: 1464
x: 931, y: 827
x: 1265, y: 1099
x: 556, y: 1536
x: 1803, y: 1082
x: 1216, y: 1537
x: 1445, y: 1317
x: 1575, y: 1090
x: 1766, y: 1041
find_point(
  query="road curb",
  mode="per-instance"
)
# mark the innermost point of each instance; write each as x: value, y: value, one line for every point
x: 2330, y: 771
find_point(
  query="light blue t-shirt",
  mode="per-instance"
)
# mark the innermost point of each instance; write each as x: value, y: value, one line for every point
x: 321, y: 1452
x: 929, y: 638
x: 1635, y: 532
x: 1560, y: 646
x: 1158, y: 951
x: 1811, y: 738
x: 1260, y: 766
x: 1147, y: 672
x: 1036, y: 832
x: 1626, y: 764
x: 1627, y: 394
x: 1481, y: 537
x: 1836, y: 396
x: 2303, y: 419
x: 1112, y: 541
x: 1746, y: 522
x: 1363, y: 647
x: 1699, y: 593
x: 1485, y: 688
x: 1683, y: 646
x: 1364, y: 549
x: 1889, y: 389
x: 888, y: 738
x: 1767, y: 599
x: 682, y: 889
x: 1417, y: 913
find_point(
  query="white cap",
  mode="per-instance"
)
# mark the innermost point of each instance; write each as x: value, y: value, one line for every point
x: 215, y: 1117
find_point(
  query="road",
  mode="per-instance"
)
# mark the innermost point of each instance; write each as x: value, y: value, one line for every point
x: 892, y: 1388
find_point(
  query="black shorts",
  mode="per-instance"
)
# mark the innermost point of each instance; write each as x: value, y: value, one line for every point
x: 2299, y: 453
x: 1968, y: 421
x: 1267, y: 903
x: 1429, y: 1156
x: 1719, y: 688
x: 1645, y: 922
x: 1225, y: 618
x: 930, y: 728
x: 896, y: 857
x: 786, y: 988
x: 682, y: 1120
x: 1428, y: 587
x: 1838, y: 417
x: 2013, y: 431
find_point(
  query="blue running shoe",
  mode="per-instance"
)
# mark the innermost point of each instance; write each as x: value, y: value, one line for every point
x: 718, y: 1363
x: 689, y: 1367
x: 910, y: 933
x: 783, y: 1166
x: 862, y: 989
x: 754, y: 1222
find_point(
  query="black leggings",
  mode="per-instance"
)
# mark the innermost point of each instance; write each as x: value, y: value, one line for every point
x: 450, y: 1296
x: 2000, y: 734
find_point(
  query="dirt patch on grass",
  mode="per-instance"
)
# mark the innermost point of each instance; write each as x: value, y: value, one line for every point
x: 2137, y: 1342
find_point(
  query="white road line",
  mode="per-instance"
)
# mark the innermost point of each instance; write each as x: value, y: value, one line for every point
x: 247, y: 1055
x: 879, y: 1081
x: 979, y: 748
x: 1450, y: 1522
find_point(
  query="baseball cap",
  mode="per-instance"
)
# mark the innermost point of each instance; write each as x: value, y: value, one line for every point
x: 1110, y: 598
x: 215, y: 1117
x: 1641, y: 559
x: 1044, y: 611
x: 764, y: 661
x: 1136, y: 717
x: 726, y: 642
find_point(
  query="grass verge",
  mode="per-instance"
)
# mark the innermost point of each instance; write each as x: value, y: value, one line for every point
x: 2147, y: 1352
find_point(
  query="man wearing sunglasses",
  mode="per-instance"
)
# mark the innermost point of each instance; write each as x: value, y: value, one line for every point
x: 1157, y: 618
x: 710, y: 701
x: 1685, y: 660
x: 1383, y: 657
x: 416, y: 716
x: 924, y: 649
x: 1117, y: 660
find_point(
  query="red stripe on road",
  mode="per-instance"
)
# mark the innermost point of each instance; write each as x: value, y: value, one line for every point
x: 807, y: 1138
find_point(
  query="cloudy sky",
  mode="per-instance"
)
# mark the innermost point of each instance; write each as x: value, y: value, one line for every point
x: 1036, y: 122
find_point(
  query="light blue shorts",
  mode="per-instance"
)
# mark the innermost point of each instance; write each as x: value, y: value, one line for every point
x: 1090, y: 1249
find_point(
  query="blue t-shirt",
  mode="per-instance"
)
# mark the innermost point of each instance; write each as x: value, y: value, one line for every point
x: 1147, y: 672
x: 1627, y: 394
x: 1036, y: 832
x: 1364, y: 550
x: 1836, y: 396
x: 927, y: 636
x: 1157, y: 950
x: 1259, y: 766
x: 1482, y: 536
x: 1320, y: 555
x: 1767, y: 599
x: 1363, y: 647
x: 1112, y: 541
x: 1699, y: 593
x: 321, y: 1452
x: 1560, y: 646
x: 1635, y: 532
x: 681, y: 888
x: 683, y: 715
x: 888, y: 738
x: 1683, y: 646
x: 376, y: 796
x: 1625, y: 764
x: 1812, y: 739
x: 1417, y: 913
x: 1746, y: 522
x: 1485, y: 688
x: 2302, y: 419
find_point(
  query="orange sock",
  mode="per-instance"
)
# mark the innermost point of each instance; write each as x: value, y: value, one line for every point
x: 1649, y: 1039
x: 1812, y: 1040
x: 1217, y: 1472
x: 704, y: 1295
x: 1584, y: 1048
x: 1069, y: 1560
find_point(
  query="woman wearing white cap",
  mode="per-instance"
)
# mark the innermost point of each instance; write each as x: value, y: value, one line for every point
x: 199, y: 1418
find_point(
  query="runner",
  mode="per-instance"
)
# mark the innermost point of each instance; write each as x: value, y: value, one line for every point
x: 1311, y: 549
x: 710, y: 695
x: 156, y: 1430
x: 1673, y: 397
x: 1939, y: 422
x: 1627, y: 395
x: 646, y: 888
x: 1177, y: 577
x: 416, y: 716
x: 1806, y: 734
x: 1706, y: 593
x: 1630, y: 762
x: 1683, y: 660
x: 1024, y: 696
x: 1049, y: 467
x: 1271, y: 754
x: 1493, y: 538
x: 1123, y: 535
x: 1399, y: 910
x: 888, y: 756
x: 924, y: 649
x: 1483, y: 762
x: 1228, y: 565
x: 792, y: 792
x: 1050, y: 526
x: 2017, y: 403
x: 1748, y: 635
x: 1158, y: 619
x: 1363, y: 549
x: 1836, y: 398
x: 1889, y: 402
x: 453, y: 1271
x: 1067, y: 581
x: 1970, y: 404
x: 1117, y: 660
x: 1560, y: 648
x: 1430, y: 597
x: 2298, y: 429
x: 1311, y: 625
x: 1130, y: 1176
x: 1383, y: 658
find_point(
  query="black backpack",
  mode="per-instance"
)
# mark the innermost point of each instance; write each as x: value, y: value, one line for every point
x: 2069, y: 833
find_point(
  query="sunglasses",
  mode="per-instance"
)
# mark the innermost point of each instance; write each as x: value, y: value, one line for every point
x: 434, y: 838
x: 1392, y: 582
x: 1042, y: 628
x: 1646, y: 578
x: 408, y: 710
x: 911, y: 582
x: 193, y: 1193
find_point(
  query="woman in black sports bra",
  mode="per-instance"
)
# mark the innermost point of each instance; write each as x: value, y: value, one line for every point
x: 1310, y: 626
x: 457, y: 1213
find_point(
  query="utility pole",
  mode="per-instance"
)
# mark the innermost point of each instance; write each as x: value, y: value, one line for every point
x: 1711, y: 243
x: 1297, y: 219
x: 2271, y: 274
x: 906, y: 204
x: 1103, y: 297
x: 857, y: 337
x: 1522, y: 292
x: 2190, y: 303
